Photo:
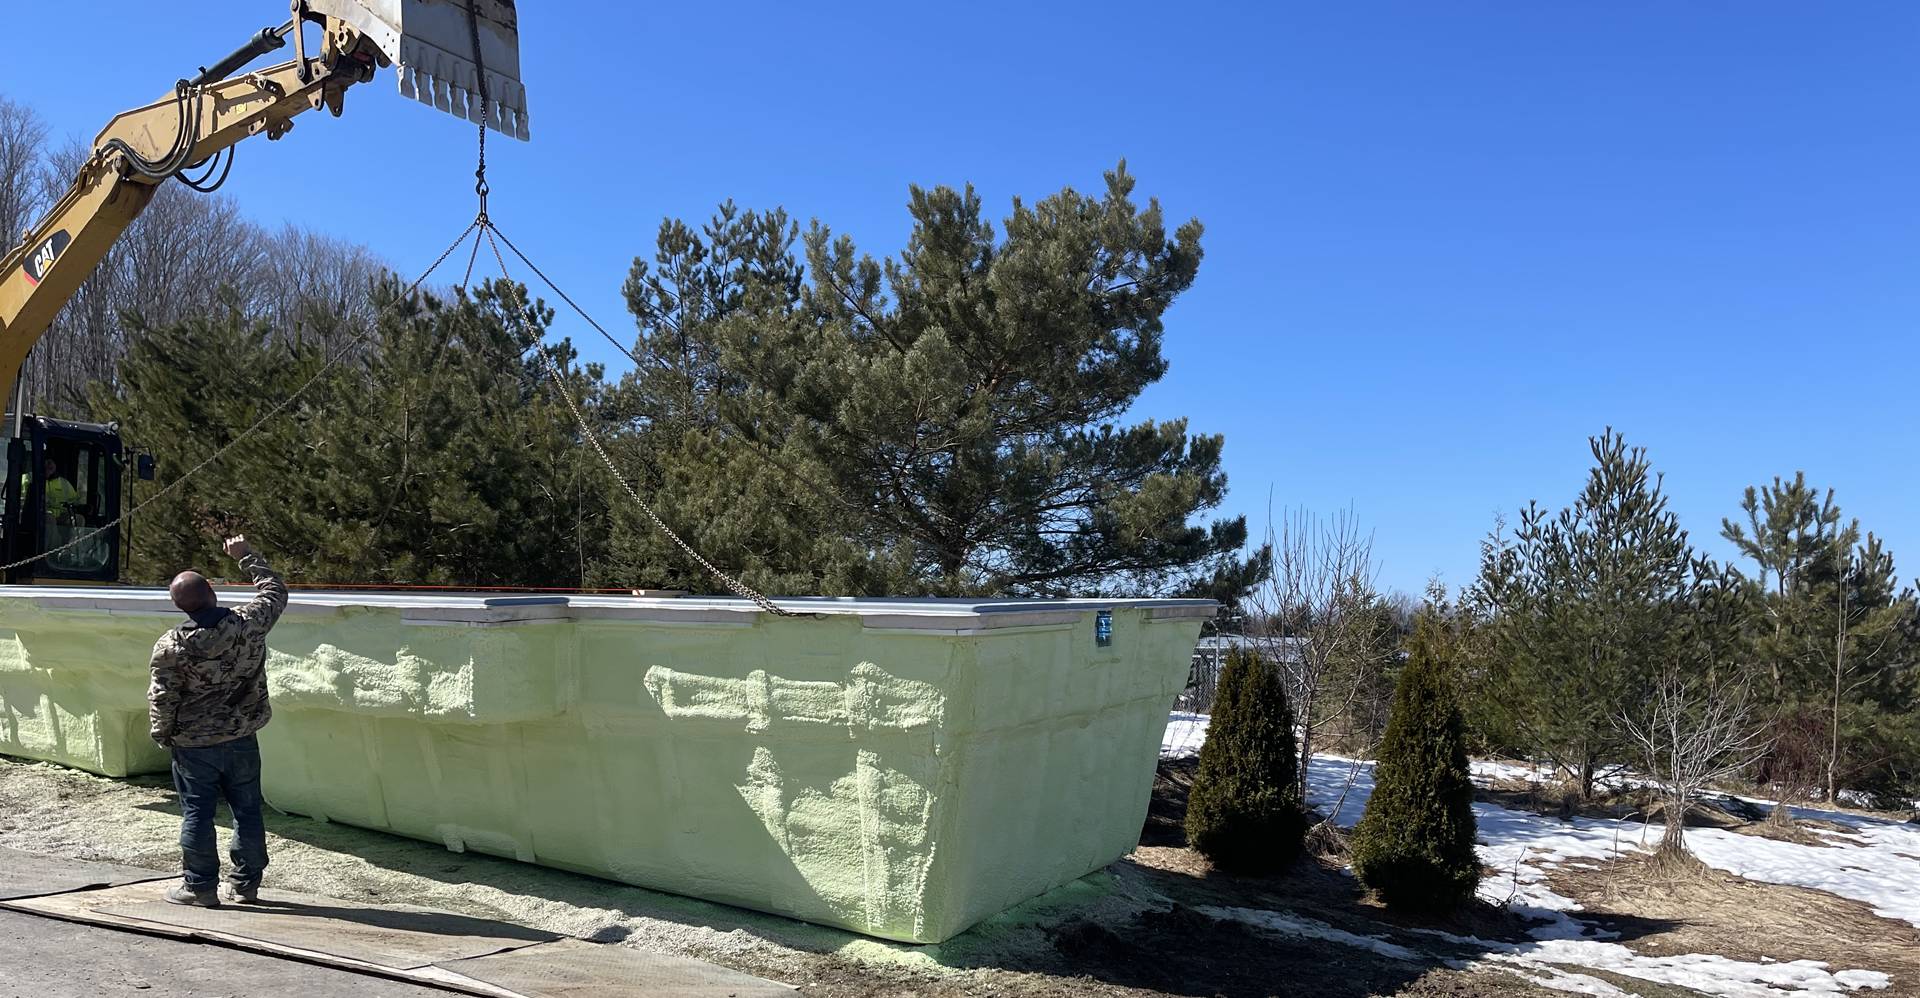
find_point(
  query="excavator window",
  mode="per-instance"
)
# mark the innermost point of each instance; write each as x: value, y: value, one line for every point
x: 72, y: 472
x: 63, y: 486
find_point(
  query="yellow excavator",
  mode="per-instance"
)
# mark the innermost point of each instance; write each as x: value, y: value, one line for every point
x: 62, y: 479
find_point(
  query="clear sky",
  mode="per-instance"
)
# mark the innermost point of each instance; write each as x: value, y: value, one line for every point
x: 1445, y: 242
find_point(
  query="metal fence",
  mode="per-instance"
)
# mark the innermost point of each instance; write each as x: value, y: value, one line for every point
x: 1203, y: 677
x: 1203, y: 681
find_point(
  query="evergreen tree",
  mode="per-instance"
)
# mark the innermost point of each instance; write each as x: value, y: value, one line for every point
x: 761, y: 509
x: 1244, y: 812
x: 1866, y: 681
x: 1414, y: 845
x: 1580, y: 605
x: 1834, y: 640
x: 456, y: 462
x: 1797, y: 541
x: 434, y: 455
x: 190, y: 388
x: 946, y: 417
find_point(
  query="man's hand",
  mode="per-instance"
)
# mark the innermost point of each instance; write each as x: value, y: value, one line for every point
x: 237, y: 547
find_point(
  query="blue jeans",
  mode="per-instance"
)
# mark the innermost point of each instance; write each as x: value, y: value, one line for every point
x: 203, y: 776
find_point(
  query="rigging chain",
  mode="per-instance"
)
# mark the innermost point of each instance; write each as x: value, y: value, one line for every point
x: 486, y: 229
x: 277, y: 409
x: 480, y: 185
x: 738, y: 587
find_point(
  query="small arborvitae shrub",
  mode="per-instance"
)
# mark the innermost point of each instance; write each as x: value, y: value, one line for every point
x: 1414, y: 846
x: 1244, y: 812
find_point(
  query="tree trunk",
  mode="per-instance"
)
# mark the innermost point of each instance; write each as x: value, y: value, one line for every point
x: 1839, y: 671
x: 1306, y: 740
x: 1674, y: 841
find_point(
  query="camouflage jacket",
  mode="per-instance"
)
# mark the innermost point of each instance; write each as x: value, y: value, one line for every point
x: 210, y: 675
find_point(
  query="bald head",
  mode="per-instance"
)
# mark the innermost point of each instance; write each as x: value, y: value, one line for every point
x: 191, y: 592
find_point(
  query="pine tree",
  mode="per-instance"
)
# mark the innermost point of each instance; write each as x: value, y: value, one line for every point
x: 1414, y: 845
x: 1834, y: 641
x: 1244, y: 812
x: 951, y: 414
x: 436, y: 454
x: 1580, y: 605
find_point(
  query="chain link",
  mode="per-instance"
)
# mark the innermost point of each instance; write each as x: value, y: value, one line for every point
x: 480, y: 185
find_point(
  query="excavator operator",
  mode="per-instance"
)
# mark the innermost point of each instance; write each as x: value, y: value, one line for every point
x: 62, y: 498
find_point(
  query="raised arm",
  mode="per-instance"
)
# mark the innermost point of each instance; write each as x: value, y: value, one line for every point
x: 263, y: 610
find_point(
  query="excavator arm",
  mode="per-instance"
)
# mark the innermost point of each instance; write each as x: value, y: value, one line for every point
x: 442, y: 48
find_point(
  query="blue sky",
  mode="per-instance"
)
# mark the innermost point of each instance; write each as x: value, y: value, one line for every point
x: 1445, y: 242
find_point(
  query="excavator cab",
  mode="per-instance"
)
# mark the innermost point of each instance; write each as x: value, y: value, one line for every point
x: 62, y: 484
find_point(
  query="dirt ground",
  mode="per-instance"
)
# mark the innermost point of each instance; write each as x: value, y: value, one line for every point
x: 1140, y: 927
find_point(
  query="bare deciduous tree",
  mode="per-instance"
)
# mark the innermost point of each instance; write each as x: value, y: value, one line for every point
x: 1698, y: 721
x: 22, y: 137
x: 316, y: 287
x: 187, y: 255
x: 1691, y: 734
x: 1319, y: 618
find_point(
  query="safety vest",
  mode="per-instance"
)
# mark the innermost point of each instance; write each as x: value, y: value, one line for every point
x: 61, y: 495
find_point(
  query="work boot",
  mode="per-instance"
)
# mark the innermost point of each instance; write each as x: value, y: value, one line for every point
x: 233, y: 893
x: 182, y: 894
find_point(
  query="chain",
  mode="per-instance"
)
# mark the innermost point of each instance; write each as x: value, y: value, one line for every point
x: 761, y: 449
x: 486, y: 230
x: 480, y: 185
x: 738, y: 588
x: 277, y: 409
x: 485, y: 224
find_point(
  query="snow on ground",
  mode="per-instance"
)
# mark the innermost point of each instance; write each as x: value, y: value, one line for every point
x: 1878, y: 862
x: 1307, y: 928
x: 1184, y: 734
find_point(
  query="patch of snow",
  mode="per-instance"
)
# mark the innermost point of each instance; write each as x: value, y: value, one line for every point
x: 1289, y: 925
x: 1518, y: 845
x: 1870, y: 979
x: 1488, y: 770
x: 1580, y: 984
x: 1184, y: 736
x: 1545, y: 961
x: 1705, y: 973
x: 1876, y: 861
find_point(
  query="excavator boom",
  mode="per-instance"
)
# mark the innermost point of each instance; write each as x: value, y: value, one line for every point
x: 461, y: 56
x: 442, y: 50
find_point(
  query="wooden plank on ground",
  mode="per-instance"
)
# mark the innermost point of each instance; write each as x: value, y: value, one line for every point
x: 25, y: 874
x: 470, y: 955
x: 572, y: 968
x: 78, y: 907
x: 398, y: 937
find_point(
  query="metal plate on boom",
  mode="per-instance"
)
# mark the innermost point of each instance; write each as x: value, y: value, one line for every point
x: 431, y: 45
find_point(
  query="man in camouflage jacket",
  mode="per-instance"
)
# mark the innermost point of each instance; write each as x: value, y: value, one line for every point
x: 209, y: 696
